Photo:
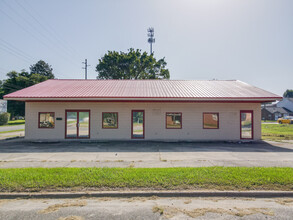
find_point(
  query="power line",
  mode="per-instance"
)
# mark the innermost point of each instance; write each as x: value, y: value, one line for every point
x: 32, y: 27
x: 16, y: 49
x: 14, y: 21
x: 16, y: 52
x: 49, y: 27
x: 44, y: 27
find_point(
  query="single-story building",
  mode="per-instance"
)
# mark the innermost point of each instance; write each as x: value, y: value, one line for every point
x: 181, y: 110
x: 272, y: 112
x: 286, y: 103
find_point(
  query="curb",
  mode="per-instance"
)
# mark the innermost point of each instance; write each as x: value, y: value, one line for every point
x: 12, y: 138
x: 119, y: 194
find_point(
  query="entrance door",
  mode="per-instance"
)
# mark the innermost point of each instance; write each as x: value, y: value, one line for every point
x: 137, y: 124
x: 246, y: 124
x: 77, y: 124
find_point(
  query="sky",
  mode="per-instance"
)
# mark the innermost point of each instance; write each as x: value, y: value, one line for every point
x: 248, y: 40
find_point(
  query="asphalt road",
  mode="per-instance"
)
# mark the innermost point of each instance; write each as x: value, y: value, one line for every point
x: 11, y: 128
x: 147, y: 208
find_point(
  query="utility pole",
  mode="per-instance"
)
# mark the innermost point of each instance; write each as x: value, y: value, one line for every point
x: 151, y: 39
x: 85, y: 68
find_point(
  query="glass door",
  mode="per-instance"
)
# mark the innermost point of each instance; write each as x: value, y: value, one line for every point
x: 71, y: 122
x: 246, y: 124
x: 77, y: 124
x: 137, y: 124
x: 83, y: 124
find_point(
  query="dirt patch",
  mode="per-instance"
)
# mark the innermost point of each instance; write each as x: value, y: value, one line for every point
x: 5, y: 201
x: 104, y: 199
x: 131, y: 165
x: 56, y: 207
x: 216, y: 199
x: 285, y: 201
x: 72, y: 217
x: 131, y: 199
x: 170, y: 212
x: 250, y: 211
x: 157, y: 209
x: 141, y: 199
x: 187, y: 202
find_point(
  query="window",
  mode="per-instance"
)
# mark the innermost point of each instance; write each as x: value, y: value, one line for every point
x: 173, y: 120
x: 137, y: 124
x: 210, y: 120
x: 46, y: 120
x: 246, y: 124
x: 110, y: 120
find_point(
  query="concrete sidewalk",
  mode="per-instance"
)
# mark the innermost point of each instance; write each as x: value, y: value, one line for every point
x: 155, y: 208
x: 18, y: 153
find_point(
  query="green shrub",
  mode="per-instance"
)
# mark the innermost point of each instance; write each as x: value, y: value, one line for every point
x: 4, y: 118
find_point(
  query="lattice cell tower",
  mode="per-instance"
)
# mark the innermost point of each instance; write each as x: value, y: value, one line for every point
x: 151, y: 39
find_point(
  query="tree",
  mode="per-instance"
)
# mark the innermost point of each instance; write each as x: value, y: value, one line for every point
x: 131, y: 65
x: 17, y: 81
x: 42, y: 68
x: 1, y: 90
x: 288, y: 93
x: 40, y: 72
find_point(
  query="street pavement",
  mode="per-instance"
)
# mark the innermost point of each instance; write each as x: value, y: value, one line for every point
x: 11, y: 128
x: 20, y: 153
x: 147, y: 208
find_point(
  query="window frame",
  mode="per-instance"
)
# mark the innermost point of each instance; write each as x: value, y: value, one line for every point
x: 132, y: 136
x: 39, y: 120
x: 77, y: 131
x: 218, y: 122
x: 181, y: 115
x: 252, y: 127
x: 103, y: 120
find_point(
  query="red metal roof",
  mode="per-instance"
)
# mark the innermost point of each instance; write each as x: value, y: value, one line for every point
x: 61, y: 89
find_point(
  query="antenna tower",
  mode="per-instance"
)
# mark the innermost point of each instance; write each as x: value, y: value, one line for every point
x: 151, y: 39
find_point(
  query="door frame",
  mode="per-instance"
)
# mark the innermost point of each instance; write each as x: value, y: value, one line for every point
x: 132, y: 137
x: 252, y: 128
x: 77, y: 130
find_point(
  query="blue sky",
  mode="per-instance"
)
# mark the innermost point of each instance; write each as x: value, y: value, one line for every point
x: 249, y: 40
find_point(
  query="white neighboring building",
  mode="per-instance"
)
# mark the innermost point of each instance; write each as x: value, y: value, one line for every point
x: 286, y: 103
x: 3, y: 106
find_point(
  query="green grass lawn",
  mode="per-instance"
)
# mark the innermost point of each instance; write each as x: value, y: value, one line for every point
x: 268, y: 121
x: 277, y: 131
x: 210, y: 178
x: 15, y: 122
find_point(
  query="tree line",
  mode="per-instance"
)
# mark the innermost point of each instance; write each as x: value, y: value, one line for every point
x: 39, y: 72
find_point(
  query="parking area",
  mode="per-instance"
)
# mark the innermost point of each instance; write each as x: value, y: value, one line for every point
x: 20, y: 153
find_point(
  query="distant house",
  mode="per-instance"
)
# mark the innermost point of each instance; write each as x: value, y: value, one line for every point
x: 167, y: 110
x: 3, y: 106
x: 286, y: 103
x: 272, y: 112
